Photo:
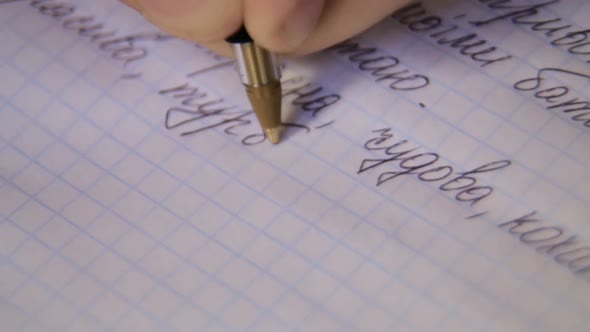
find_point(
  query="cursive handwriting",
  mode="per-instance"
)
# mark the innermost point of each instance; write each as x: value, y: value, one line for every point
x: 196, y: 106
x: 558, y: 97
x: 552, y: 241
x: 126, y: 49
x: 559, y: 33
x: 385, y: 68
x: 307, y: 96
x: 198, y: 111
x: 399, y: 160
x: 418, y: 20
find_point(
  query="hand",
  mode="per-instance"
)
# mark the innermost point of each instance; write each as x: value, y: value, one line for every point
x: 293, y: 27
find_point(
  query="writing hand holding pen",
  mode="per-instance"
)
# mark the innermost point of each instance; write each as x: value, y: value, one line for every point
x: 293, y: 27
x: 257, y: 28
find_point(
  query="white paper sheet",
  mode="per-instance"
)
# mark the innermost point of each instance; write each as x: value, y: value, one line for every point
x: 425, y: 185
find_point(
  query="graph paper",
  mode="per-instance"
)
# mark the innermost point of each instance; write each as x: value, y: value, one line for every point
x: 449, y: 191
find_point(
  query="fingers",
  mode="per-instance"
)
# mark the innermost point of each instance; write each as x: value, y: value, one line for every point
x: 281, y: 25
x: 293, y: 27
x: 344, y: 19
x: 338, y: 20
x: 220, y: 47
x: 196, y: 20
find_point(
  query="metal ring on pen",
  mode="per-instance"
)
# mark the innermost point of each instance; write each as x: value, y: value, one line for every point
x: 256, y: 65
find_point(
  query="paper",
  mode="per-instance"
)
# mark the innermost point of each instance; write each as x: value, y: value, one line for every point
x: 434, y: 176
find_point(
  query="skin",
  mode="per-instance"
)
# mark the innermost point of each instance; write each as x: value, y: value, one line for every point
x: 288, y: 27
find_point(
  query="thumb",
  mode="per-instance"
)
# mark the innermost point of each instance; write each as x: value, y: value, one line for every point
x: 281, y: 25
x: 195, y: 20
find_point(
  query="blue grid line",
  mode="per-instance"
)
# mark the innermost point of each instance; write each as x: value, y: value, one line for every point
x: 60, y: 177
x: 444, y: 270
x: 338, y: 243
x: 221, y: 228
x: 497, y: 151
x: 451, y: 236
x: 296, y: 240
x: 449, y: 87
x: 64, y: 180
x: 540, y: 36
x: 55, y: 293
x: 43, y: 285
x: 457, y: 259
x: 488, y: 147
x: 98, y: 179
x: 506, y: 301
x: 158, y: 243
x: 505, y: 120
x: 98, y: 165
x: 58, y: 253
x: 480, y: 142
x: 289, y: 287
x: 548, y: 164
x: 79, y: 228
x: 31, y: 235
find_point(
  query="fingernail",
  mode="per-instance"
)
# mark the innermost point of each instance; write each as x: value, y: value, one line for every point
x: 302, y: 21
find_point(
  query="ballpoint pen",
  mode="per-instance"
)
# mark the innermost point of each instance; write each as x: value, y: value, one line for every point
x: 260, y: 73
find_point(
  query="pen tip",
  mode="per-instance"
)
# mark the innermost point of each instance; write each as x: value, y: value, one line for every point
x: 273, y: 134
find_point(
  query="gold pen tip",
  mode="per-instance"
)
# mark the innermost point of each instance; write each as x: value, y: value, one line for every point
x: 273, y: 134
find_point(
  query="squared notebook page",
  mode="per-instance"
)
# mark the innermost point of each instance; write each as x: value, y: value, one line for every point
x: 433, y: 176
